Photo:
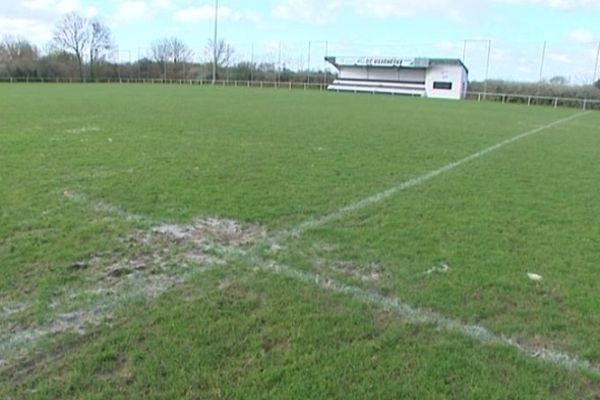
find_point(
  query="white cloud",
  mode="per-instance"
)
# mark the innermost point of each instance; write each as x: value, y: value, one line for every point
x: 130, y: 11
x: 165, y: 4
x: 560, y: 58
x: 91, y: 11
x: 560, y: 4
x: 457, y: 11
x: 204, y: 13
x: 447, y: 45
x: 397, y: 8
x: 56, y: 6
x: 32, y: 29
x: 207, y: 13
x: 582, y: 36
x: 310, y: 11
x: 38, y: 4
x: 67, y: 6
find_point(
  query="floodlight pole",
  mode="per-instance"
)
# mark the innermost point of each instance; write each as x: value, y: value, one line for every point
x: 308, y: 70
x: 325, y: 62
x: 139, y: 63
x: 596, y: 65
x: 214, y: 72
x: 487, y: 69
x: 542, y: 61
x: 279, y: 64
x: 464, y: 57
x: 252, y: 63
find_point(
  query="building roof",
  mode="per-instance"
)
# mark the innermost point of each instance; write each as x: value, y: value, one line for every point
x: 397, y: 62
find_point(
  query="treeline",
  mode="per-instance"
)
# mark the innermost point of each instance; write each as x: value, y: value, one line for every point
x: 63, y: 66
x: 84, y: 50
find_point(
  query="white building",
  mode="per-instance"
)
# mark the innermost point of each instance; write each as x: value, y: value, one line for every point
x: 426, y: 77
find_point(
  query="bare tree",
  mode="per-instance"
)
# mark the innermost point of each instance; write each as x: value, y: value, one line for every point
x: 72, y: 35
x: 180, y: 52
x: 221, y: 54
x: 19, y: 56
x: 160, y: 50
x: 170, y: 50
x: 100, y: 43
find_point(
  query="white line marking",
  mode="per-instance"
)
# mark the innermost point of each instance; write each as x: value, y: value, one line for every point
x: 421, y: 316
x: 411, y: 314
x: 379, y: 197
x: 101, y: 206
x: 85, y: 129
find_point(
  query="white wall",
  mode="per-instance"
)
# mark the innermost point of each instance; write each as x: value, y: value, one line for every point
x: 412, y: 75
x: 384, y: 74
x: 455, y: 74
x: 353, y: 73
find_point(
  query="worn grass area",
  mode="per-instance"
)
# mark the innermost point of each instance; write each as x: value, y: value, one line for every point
x: 133, y: 218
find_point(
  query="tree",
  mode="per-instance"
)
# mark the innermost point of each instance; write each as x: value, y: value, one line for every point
x: 100, y: 43
x: 597, y: 84
x: 19, y: 56
x: 72, y: 35
x: 559, y: 80
x: 170, y: 50
x: 220, y: 54
x: 79, y: 35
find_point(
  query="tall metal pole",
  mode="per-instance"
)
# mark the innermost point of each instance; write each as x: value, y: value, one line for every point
x: 252, y: 63
x: 596, y: 66
x: 214, y: 73
x: 119, y: 62
x: 487, y: 69
x: 325, y: 62
x: 139, y: 63
x: 542, y: 62
x: 308, y: 70
x: 279, y: 64
x: 464, y: 57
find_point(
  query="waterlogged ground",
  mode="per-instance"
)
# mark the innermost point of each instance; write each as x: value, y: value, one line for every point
x: 180, y: 242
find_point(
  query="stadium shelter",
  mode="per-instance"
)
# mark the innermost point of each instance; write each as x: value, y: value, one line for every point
x: 426, y: 77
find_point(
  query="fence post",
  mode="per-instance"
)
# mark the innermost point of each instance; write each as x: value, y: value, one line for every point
x: 290, y: 82
x: 584, y: 104
x: 529, y: 101
x: 556, y: 102
x: 478, y: 96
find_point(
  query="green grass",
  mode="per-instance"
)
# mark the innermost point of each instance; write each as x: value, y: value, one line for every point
x: 276, y: 159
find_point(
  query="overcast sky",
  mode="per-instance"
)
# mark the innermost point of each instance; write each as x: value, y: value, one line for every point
x: 404, y: 28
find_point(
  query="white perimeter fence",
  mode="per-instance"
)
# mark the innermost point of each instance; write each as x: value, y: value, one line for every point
x: 529, y: 100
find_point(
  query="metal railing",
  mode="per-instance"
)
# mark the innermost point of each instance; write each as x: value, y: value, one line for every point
x: 505, y: 98
x: 532, y: 100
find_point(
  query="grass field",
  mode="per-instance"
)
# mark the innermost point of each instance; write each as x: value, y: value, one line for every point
x: 186, y: 242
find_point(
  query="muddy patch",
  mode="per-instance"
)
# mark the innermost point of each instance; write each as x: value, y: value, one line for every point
x: 370, y: 272
x: 148, y: 264
x: 8, y: 308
